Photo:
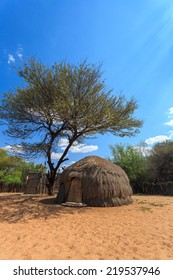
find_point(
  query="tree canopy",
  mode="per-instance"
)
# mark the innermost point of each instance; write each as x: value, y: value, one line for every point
x: 133, y: 160
x: 147, y: 168
x: 160, y: 167
x: 64, y: 100
x: 14, y: 170
x: 8, y: 167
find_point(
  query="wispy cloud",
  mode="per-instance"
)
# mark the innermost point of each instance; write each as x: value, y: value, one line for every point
x: 19, y: 53
x: 170, y: 111
x: 170, y: 116
x: 163, y: 138
x: 11, y: 59
x: 157, y: 139
x: 171, y: 133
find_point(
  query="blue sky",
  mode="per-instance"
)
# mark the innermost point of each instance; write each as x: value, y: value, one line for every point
x: 132, y: 39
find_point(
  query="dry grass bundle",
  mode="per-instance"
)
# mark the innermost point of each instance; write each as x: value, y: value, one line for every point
x: 95, y: 182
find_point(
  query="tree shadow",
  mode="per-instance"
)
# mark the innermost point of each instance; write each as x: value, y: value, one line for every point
x: 48, y: 201
x: 22, y: 208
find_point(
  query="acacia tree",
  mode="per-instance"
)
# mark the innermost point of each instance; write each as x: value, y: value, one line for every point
x: 64, y: 100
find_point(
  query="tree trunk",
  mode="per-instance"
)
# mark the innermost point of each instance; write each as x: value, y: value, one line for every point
x: 50, y: 189
x: 50, y: 185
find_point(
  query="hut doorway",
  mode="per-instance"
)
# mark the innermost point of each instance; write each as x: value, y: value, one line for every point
x: 75, y: 191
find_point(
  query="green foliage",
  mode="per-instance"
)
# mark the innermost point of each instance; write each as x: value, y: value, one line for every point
x: 132, y: 160
x: 160, y: 167
x: 9, y: 167
x: 30, y: 167
x: 64, y: 100
x: 147, y: 171
x: 14, y: 169
x: 150, y: 173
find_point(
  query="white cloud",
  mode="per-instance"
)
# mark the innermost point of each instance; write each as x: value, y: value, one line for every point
x: 170, y: 123
x: 13, y: 149
x: 11, y: 59
x: 157, y: 139
x: 63, y: 142
x: 82, y: 148
x: 56, y: 155
x: 77, y: 147
x: 170, y: 111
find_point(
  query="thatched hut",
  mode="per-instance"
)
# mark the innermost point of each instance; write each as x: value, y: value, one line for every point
x: 36, y: 183
x: 94, y: 181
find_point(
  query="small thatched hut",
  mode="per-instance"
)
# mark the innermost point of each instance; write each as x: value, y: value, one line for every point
x: 35, y: 183
x: 94, y: 181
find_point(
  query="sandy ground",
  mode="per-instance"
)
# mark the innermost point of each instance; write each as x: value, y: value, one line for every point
x: 33, y: 227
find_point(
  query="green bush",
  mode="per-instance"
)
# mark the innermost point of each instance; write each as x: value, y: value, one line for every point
x: 14, y: 169
x: 133, y: 161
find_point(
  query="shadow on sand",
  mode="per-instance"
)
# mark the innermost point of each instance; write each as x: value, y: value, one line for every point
x: 48, y: 201
x: 22, y: 208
